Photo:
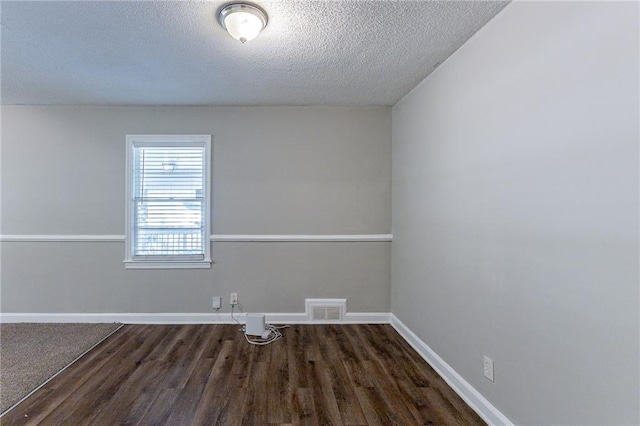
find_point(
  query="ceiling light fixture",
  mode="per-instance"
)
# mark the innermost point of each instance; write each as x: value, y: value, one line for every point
x: 243, y: 21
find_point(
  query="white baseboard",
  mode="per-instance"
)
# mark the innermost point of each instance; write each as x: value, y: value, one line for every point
x: 286, y: 318
x: 468, y: 393
x: 367, y: 318
x: 185, y: 318
x: 126, y: 318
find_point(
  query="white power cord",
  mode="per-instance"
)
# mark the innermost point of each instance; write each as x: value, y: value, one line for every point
x: 270, y: 335
x: 232, y: 317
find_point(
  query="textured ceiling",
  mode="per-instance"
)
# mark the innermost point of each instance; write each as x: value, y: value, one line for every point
x: 349, y: 52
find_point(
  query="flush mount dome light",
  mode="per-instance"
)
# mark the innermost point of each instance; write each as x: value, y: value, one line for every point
x: 243, y: 21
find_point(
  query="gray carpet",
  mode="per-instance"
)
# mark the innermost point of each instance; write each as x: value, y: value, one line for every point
x: 32, y: 353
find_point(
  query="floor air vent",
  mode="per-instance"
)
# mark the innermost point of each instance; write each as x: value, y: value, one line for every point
x: 326, y: 310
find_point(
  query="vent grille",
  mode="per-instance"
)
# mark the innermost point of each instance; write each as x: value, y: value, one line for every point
x: 326, y: 313
x: 326, y: 310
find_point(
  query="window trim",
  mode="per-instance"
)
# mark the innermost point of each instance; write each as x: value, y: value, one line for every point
x: 133, y: 141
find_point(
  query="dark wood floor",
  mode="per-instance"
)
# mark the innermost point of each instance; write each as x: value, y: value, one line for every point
x: 209, y: 374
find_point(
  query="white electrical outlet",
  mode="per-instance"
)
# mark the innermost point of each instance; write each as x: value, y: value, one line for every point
x: 216, y: 303
x: 233, y: 299
x: 488, y: 368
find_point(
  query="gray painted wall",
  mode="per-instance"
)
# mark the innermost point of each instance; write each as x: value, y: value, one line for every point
x: 515, y: 212
x: 276, y: 170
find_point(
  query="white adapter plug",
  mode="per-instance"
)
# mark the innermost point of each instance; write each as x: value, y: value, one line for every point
x: 255, y: 325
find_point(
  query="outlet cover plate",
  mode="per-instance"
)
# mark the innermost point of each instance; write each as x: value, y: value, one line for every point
x: 488, y: 368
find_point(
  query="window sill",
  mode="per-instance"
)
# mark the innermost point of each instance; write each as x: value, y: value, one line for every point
x: 149, y: 264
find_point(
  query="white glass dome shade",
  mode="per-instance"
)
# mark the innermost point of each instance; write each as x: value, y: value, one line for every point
x: 242, y: 21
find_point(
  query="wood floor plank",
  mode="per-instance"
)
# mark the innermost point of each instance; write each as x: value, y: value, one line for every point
x: 233, y: 410
x: 264, y: 353
x: 326, y: 406
x: 256, y: 406
x: 346, y: 350
x: 298, y: 365
x: 242, y: 363
x: 360, y: 347
x: 91, y: 398
x: 426, y: 377
x: 357, y: 374
x: 220, y: 383
x: 345, y: 395
x: 310, y: 344
x: 374, y: 408
x: 414, y: 366
x: 210, y: 375
x: 160, y: 408
x: 104, y: 387
x: 133, y: 395
x: 169, y: 333
x: 342, y: 388
x: 419, y: 406
x: 400, y: 374
x: 188, y: 358
x: 303, y: 407
x: 277, y: 389
x: 399, y: 407
x: 184, y: 407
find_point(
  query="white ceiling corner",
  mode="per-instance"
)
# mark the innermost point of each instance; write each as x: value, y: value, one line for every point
x: 330, y: 52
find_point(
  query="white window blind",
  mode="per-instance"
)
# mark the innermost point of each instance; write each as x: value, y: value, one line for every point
x: 168, y: 205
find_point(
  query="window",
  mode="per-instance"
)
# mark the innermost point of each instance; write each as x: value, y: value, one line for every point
x: 168, y: 201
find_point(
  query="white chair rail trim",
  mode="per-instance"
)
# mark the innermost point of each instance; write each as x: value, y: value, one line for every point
x: 276, y: 238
